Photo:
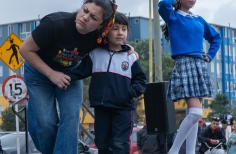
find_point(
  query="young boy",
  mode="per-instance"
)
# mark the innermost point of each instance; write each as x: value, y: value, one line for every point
x: 116, y: 79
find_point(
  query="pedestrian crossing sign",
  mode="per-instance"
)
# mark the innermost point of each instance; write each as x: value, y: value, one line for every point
x: 9, y: 52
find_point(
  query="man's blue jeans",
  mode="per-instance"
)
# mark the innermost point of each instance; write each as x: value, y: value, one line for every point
x: 51, y: 134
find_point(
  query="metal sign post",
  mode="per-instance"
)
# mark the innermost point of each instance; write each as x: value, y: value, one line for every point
x: 14, y: 90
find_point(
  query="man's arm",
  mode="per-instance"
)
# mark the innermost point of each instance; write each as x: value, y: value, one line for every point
x: 203, y: 137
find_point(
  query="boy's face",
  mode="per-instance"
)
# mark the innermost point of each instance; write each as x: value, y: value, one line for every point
x: 117, y: 35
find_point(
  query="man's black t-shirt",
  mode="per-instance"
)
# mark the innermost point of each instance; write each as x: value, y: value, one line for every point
x: 61, y: 45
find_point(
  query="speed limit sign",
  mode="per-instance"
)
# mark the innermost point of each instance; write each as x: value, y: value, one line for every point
x: 14, y: 89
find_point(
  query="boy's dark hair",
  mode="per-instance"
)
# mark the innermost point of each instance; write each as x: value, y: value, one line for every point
x: 120, y: 18
x: 176, y: 6
x: 224, y: 121
x: 107, y: 7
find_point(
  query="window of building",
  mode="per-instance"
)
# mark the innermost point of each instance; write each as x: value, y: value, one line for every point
x: 0, y: 31
x: 213, y: 85
x: 226, y: 32
x: 218, y: 55
x: 234, y: 54
x: 230, y: 69
x: 1, y: 109
x: 10, y: 29
x: 226, y: 50
x: 136, y: 21
x: 205, y: 104
x: 1, y: 70
x: 219, y: 70
x: 11, y: 72
x: 234, y: 36
x: 227, y: 86
x: 219, y: 86
x: 227, y: 68
x: 234, y: 71
x: 231, y: 86
x: 212, y: 67
x: 25, y: 30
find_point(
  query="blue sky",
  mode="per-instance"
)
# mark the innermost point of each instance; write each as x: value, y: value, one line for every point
x: 221, y: 12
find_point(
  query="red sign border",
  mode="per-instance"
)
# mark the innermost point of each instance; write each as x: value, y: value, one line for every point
x: 4, y: 84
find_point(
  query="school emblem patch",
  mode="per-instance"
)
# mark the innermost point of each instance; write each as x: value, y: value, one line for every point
x: 125, y: 66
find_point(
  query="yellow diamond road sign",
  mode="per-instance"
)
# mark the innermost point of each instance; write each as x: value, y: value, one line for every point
x: 9, y: 52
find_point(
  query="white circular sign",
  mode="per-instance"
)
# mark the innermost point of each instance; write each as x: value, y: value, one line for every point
x: 14, y: 88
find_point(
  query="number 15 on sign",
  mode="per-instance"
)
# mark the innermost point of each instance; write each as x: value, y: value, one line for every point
x: 14, y: 88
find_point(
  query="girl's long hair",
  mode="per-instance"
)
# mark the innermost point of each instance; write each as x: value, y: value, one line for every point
x: 176, y: 6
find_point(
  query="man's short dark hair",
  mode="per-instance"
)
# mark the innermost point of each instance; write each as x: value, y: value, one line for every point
x: 224, y: 121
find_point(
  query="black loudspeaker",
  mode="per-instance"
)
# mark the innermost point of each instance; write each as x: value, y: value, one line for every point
x: 160, y: 114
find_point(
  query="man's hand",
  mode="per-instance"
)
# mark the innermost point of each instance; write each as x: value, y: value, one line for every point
x: 214, y: 141
x: 232, y: 142
x: 140, y: 151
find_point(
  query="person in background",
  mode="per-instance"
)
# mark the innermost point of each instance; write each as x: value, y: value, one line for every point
x: 200, y: 125
x: 231, y: 144
x: 212, y: 135
x: 229, y: 116
x: 189, y: 79
x: 224, y: 125
x: 116, y: 79
x: 147, y: 144
x: 231, y: 128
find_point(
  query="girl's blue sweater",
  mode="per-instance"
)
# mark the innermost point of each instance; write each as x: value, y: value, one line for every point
x: 186, y: 32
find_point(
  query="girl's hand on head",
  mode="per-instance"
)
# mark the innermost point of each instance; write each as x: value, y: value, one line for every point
x: 205, y: 58
x: 131, y: 51
x: 60, y: 79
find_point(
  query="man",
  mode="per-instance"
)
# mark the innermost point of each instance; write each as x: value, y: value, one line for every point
x: 147, y: 144
x: 200, y: 126
x: 224, y: 124
x: 211, y: 136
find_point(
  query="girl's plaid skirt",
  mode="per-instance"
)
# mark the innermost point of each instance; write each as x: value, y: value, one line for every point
x: 189, y: 79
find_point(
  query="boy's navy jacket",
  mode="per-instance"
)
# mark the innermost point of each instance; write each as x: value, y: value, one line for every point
x: 116, y: 77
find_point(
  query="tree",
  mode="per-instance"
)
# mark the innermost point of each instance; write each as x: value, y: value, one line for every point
x: 219, y: 106
x: 9, y: 120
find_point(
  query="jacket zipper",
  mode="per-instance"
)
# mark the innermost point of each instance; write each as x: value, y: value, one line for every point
x: 109, y: 64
